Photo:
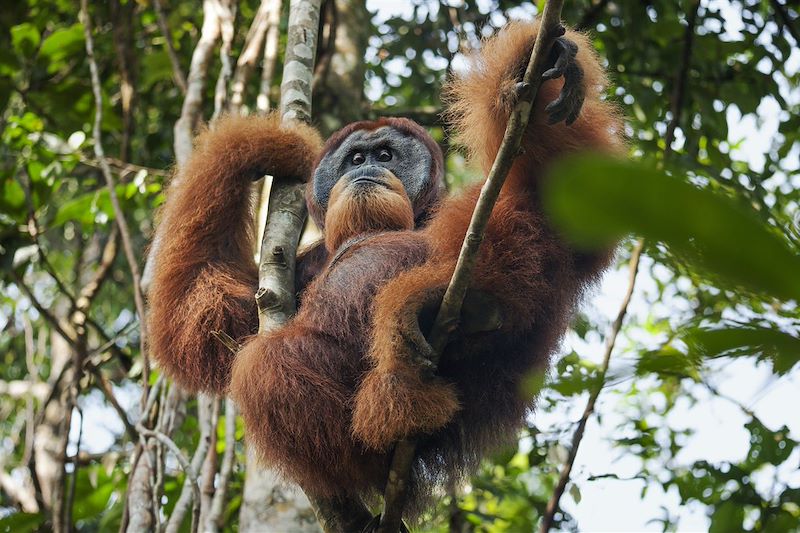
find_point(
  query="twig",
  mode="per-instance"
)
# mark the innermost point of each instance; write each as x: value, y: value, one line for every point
x: 229, y: 342
x: 108, y: 392
x: 216, y: 517
x: 123, y: 168
x: 177, y: 71
x: 253, y: 47
x: 92, y: 287
x: 577, y: 436
x: 396, y: 491
x: 270, y: 56
x: 191, y: 491
x: 62, y: 327
x: 196, y: 82
x: 209, y: 469
x: 119, y: 214
x: 188, y: 468
x: 226, y: 11
x: 681, y: 77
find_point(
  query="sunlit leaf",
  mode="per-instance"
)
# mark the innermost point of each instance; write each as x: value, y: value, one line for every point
x: 596, y: 201
x: 778, y: 347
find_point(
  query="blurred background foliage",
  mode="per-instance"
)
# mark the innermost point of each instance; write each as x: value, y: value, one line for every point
x: 711, y: 97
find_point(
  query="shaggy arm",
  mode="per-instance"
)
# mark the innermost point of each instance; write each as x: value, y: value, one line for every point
x: 205, y: 277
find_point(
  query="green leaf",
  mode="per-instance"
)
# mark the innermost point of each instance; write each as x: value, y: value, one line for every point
x: 21, y: 522
x: 668, y: 362
x: 780, y: 348
x: 25, y: 39
x: 596, y: 201
x: 727, y: 517
x: 62, y: 44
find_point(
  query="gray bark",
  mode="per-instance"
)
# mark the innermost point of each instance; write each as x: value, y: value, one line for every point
x: 268, y: 504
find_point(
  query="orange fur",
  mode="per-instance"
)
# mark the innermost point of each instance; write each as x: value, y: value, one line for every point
x: 325, y: 397
x: 352, y: 212
x: 205, y: 277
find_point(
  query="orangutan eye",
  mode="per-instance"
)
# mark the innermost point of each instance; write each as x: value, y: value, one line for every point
x: 384, y: 155
x: 358, y: 158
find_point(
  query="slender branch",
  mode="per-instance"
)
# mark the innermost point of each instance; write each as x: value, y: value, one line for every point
x: 190, y: 494
x: 177, y: 71
x: 577, y: 436
x: 62, y: 327
x: 681, y: 77
x: 396, y: 492
x: 226, y: 11
x: 119, y: 214
x: 92, y: 287
x: 209, y: 469
x: 676, y: 109
x: 196, y: 82
x: 270, y: 56
x: 216, y: 517
x: 188, y: 468
x: 123, y: 168
x: 108, y: 392
x: 253, y: 47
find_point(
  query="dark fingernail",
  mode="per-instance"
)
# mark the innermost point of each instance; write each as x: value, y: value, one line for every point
x: 550, y: 74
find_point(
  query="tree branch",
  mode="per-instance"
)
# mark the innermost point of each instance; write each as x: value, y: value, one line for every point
x: 192, y: 109
x: 226, y: 11
x: 681, y: 77
x: 270, y: 56
x: 215, y: 520
x: 190, y: 494
x: 177, y: 71
x: 287, y: 214
x: 253, y: 47
x: 676, y: 109
x: 577, y: 436
x: 119, y: 214
x: 396, y: 492
x: 188, y: 468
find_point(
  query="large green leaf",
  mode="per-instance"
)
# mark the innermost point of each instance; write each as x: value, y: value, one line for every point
x: 780, y: 348
x: 596, y: 201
